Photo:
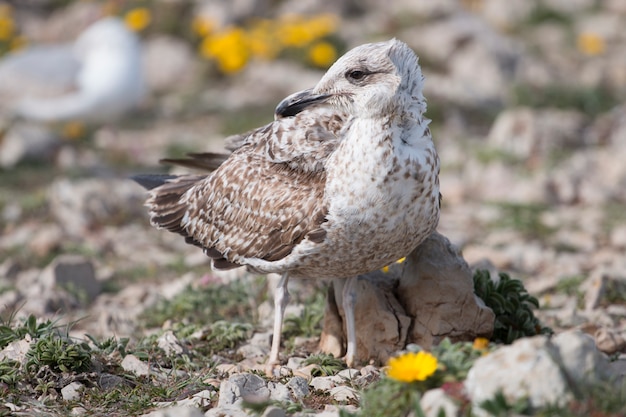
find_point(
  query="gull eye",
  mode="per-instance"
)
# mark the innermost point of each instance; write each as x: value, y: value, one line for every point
x: 356, y: 75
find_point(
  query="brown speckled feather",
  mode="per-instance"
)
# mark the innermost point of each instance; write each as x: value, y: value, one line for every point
x: 261, y: 201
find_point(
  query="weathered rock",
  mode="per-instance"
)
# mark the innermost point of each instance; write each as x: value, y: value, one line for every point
x: 73, y: 273
x: 343, y: 393
x: 132, y: 363
x: 299, y: 387
x: 530, y: 134
x: 242, y: 386
x: 175, y: 411
x: 84, y: 205
x: 170, y: 344
x: 71, y: 392
x: 610, y: 341
x: 538, y: 368
x: 27, y: 143
x: 16, y: 350
x: 436, y: 289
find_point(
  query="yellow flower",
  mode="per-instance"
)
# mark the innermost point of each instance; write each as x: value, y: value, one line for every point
x: 229, y: 48
x: 412, y: 366
x: 202, y: 26
x: 6, y: 27
x: 293, y: 31
x: 73, y: 130
x: 138, y: 19
x: 262, y: 39
x: 481, y: 343
x: 321, y: 25
x: 322, y: 54
x: 590, y: 43
x: 17, y: 43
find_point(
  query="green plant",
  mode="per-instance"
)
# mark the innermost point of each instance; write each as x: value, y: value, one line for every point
x: 225, y: 335
x: 308, y: 323
x: 455, y: 360
x: 9, y: 371
x: 511, y: 304
x: 29, y: 326
x: 58, y: 353
x: 328, y: 364
x: 499, y: 406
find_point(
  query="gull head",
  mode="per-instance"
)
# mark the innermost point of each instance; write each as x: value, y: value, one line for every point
x: 371, y: 80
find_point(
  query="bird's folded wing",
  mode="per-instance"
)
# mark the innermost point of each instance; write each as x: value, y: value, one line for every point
x: 260, y: 202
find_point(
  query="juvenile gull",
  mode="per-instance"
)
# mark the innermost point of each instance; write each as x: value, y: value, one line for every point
x: 343, y: 182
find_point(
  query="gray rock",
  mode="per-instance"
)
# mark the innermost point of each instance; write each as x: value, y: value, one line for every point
x: 278, y: 391
x: 226, y: 412
x: 73, y: 273
x: 175, y: 411
x: 26, y: 142
x: 132, y: 363
x: 299, y: 387
x: 83, y: 205
x: 242, y: 386
x: 108, y: 381
x: 71, y: 392
x: 272, y: 411
x: 170, y: 344
x: 538, y: 368
x: 324, y: 383
x: 16, y: 350
x: 343, y: 393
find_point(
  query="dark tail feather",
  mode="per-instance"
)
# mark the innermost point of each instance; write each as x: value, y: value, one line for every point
x: 150, y: 181
x: 207, y: 161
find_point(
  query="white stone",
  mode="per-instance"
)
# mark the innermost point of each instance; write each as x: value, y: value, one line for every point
x: 538, y: 368
x: 71, y: 392
x: 323, y: 383
x: 16, y: 350
x: 343, y: 393
x: 132, y: 363
x: 175, y: 411
x: 435, y: 401
x: 240, y: 386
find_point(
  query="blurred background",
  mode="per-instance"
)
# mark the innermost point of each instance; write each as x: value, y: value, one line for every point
x: 526, y: 98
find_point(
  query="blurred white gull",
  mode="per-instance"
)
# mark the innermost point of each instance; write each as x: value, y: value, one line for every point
x: 97, y: 79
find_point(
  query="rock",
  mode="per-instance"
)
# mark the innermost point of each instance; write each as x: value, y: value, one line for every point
x: 242, y: 386
x: 349, y: 374
x: 108, y: 381
x: 432, y: 295
x: 436, y: 289
x: 530, y: 134
x: 279, y: 392
x: 226, y: 412
x: 595, y: 288
x: 538, y: 368
x: 132, y: 363
x: 84, y: 205
x: 176, y: 411
x: 434, y: 402
x: 324, y: 383
x: 199, y: 399
x: 71, y: 392
x: 170, y: 344
x: 610, y: 341
x: 299, y: 387
x: 73, y: 273
x: 343, y: 394
x: 16, y: 350
x: 26, y: 142
x: 272, y: 411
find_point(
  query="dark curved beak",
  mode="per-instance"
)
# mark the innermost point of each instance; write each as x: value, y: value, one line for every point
x: 295, y: 103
